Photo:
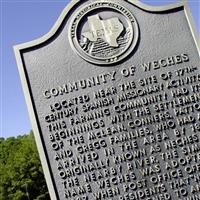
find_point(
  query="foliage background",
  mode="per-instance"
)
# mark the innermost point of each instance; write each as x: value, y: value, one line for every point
x: 20, y: 170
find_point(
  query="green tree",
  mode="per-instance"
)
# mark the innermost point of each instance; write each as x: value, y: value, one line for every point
x: 20, y: 170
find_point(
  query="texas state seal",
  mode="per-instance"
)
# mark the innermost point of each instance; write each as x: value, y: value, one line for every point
x: 103, y: 32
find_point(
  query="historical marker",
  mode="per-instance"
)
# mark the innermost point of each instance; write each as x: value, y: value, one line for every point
x: 113, y: 92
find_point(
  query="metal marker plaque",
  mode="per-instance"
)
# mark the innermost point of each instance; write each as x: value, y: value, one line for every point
x: 113, y: 92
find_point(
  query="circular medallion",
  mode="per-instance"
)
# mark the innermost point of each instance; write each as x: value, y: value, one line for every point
x: 103, y: 32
